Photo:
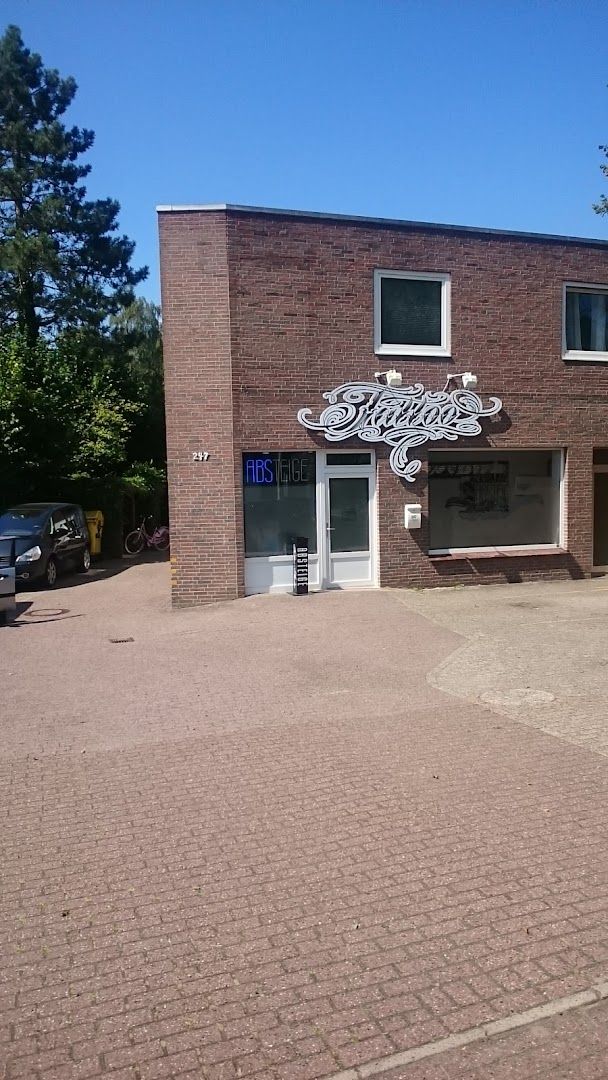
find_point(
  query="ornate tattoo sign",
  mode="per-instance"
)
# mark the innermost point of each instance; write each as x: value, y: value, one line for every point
x: 403, y: 417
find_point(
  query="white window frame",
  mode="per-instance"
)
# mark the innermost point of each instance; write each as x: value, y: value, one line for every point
x: 580, y: 354
x: 559, y: 456
x: 412, y: 350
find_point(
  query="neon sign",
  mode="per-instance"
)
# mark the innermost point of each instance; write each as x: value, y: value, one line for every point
x: 278, y: 469
x: 258, y: 470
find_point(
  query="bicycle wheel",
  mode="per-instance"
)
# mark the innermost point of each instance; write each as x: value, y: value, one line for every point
x: 134, y: 542
x: 162, y: 541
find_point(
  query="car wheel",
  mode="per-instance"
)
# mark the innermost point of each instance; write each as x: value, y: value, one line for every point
x: 50, y: 573
x: 85, y: 562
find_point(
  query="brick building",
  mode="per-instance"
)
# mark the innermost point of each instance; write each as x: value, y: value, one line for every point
x: 467, y: 438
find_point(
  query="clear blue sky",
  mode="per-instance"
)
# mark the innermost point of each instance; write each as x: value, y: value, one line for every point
x: 478, y: 112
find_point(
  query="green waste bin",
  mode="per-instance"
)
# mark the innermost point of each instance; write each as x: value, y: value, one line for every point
x: 95, y: 527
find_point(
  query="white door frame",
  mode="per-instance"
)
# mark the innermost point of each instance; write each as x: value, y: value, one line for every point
x: 596, y: 569
x: 325, y: 473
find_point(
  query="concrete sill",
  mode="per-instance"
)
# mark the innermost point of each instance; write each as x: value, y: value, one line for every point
x: 497, y: 553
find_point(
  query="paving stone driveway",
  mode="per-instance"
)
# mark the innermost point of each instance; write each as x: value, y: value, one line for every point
x: 274, y: 839
x: 537, y: 653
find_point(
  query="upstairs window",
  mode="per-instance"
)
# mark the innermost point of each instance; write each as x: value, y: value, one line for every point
x: 412, y: 313
x: 585, y: 322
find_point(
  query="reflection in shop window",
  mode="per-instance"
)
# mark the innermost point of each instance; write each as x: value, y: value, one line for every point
x: 486, y: 499
x: 279, y: 495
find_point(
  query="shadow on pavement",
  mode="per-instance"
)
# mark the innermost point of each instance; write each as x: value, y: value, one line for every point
x: 26, y: 614
x: 100, y: 571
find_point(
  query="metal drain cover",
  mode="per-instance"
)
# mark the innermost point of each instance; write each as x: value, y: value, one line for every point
x: 44, y: 612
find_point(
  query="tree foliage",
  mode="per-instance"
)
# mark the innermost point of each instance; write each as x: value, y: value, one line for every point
x: 61, y: 262
x: 138, y: 364
x: 60, y: 414
x: 81, y: 388
x: 601, y: 207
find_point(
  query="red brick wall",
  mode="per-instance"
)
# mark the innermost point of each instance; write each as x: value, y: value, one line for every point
x: 286, y: 305
x: 198, y: 380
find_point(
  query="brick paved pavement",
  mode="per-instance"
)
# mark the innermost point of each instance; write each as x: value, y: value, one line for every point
x: 537, y: 655
x: 570, y: 1047
x: 255, y: 842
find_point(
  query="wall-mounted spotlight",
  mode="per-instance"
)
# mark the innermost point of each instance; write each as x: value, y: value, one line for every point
x: 467, y: 378
x: 392, y: 377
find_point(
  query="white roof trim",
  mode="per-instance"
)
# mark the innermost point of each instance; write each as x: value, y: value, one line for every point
x: 433, y: 226
x: 164, y: 209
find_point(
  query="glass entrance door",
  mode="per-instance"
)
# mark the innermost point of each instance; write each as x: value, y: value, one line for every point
x: 600, y: 519
x: 348, y: 523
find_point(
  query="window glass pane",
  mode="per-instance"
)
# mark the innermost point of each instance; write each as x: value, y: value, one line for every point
x: 586, y: 321
x: 492, y: 499
x: 60, y: 523
x: 410, y: 312
x: 349, y: 459
x: 349, y: 513
x: 21, y: 521
x: 279, y: 495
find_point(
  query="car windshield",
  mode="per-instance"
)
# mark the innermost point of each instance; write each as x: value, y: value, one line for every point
x: 22, y: 520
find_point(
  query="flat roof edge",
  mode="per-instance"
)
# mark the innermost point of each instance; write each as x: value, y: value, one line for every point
x: 171, y: 208
x: 404, y: 223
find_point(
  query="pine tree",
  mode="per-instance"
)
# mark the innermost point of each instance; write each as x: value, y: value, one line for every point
x: 62, y: 263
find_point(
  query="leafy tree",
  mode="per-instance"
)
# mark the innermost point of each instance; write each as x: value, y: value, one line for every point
x: 60, y: 415
x: 135, y: 336
x: 81, y: 390
x: 601, y: 207
x: 62, y: 263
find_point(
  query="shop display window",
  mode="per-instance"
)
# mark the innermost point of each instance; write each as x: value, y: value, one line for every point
x: 279, y: 496
x: 494, y: 499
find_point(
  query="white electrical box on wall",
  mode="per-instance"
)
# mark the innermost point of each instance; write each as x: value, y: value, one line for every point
x: 412, y: 515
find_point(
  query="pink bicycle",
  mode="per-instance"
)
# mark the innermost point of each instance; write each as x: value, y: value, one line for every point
x: 157, y: 537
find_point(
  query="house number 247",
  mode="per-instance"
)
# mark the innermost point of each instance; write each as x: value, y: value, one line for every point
x: 200, y: 455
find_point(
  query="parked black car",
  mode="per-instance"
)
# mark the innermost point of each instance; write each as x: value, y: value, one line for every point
x: 50, y: 538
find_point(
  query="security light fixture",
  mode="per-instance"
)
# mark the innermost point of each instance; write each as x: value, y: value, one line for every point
x: 392, y: 377
x: 467, y: 378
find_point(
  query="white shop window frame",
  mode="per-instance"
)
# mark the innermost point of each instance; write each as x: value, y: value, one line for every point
x: 514, y: 549
x: 444, y: 349
x: 274, y: 573
x: 585, y: 355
